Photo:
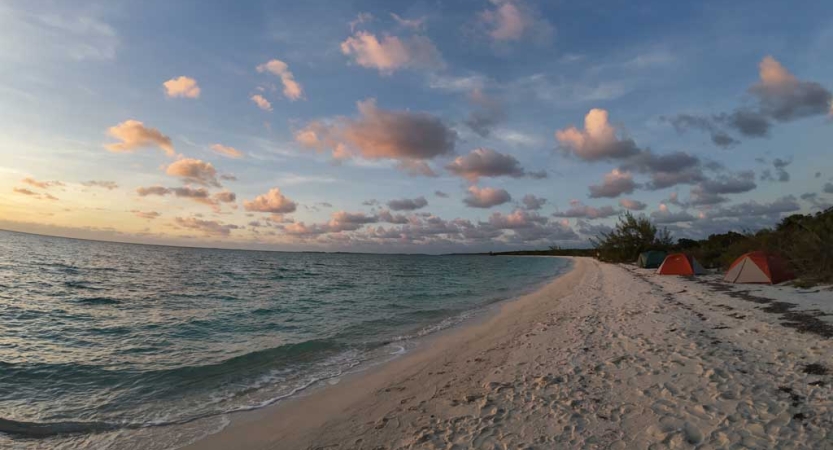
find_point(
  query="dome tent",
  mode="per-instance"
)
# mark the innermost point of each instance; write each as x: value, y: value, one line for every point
x: 680, y: 264
x: 758, y: 267
x: 651, y: 259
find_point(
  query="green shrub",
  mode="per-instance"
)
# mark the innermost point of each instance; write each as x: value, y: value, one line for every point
x: 632, y: 236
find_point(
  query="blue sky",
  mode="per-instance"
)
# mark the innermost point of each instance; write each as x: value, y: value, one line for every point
x: 477, y: 92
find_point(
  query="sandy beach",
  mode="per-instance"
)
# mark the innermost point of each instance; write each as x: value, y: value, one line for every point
x: 605, y: 356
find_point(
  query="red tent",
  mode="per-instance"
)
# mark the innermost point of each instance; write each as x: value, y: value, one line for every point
x: 680, y: 264
x: 759, y: 267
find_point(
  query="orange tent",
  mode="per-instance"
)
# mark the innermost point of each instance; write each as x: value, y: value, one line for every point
x: 680, y: 264
x: 758, y: 267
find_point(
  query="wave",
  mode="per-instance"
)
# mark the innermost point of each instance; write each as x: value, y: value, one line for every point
x: 96, y: 301
x: 68, y: 373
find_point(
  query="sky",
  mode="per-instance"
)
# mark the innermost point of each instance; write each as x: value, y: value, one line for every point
x: 427, y: 126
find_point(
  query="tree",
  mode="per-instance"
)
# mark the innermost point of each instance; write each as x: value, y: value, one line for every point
x: 632, y: 236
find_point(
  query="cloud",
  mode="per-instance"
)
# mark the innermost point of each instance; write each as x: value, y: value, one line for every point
x: 41, y: 184
x: 440, y: 194
x: 134, y: 134
x: 486, y: 197
x: 752, y: 208
x: 273, y: 201
x: 533, y: 203
x: 392, y: 53
x: 416, y: 168
x: 518, y: 219
x: 684, y: 122
x: 828, y: 188
x: 43, y: 196
x: 109, y: 185
x: 339, y: 221
x: 387, y: 217
x: 411, y: 24
x: 152, y: 190
x: 598, y: 140
x: 225, y: 197
x: 345, y: 221
x: 666, y: 170
x: 781, y: 173
x: 194, y: 171
x: 182, y: 87
x: 746, y: 121
x: 149, y: 215
x: 408, y: 204
x: 817, y: 203
x: 381, y: 134
x: 580, y: 210
x: 225, y: 150
x: 291, y: 88
x: 361, y: 19
x: 633, y: 205
x: 592, y: 230
x: 261, y: 102
x: 615, y: 183
x: 199, y: 195
x: 487, y: 113
x: 664, y: 215
x: 25, y: 191
x: 513, y: 21
x: 484, y: 162
x: 710, y: 191
x: 209, y: 227
x: 784, y: 97
x: 781, y: 97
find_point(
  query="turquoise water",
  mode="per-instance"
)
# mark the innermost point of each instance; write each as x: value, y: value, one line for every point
x: 131, y: 346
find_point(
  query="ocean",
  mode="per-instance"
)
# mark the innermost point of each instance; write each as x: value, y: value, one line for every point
x: 108, y: 345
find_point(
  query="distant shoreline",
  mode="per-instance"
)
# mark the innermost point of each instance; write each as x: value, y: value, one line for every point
x: 194, y: 247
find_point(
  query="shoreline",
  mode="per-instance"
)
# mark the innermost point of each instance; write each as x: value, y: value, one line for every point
x: 237, y: 434
x: 604, y: 356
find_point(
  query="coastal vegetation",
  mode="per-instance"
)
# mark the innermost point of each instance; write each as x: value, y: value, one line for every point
x: 805, y: 241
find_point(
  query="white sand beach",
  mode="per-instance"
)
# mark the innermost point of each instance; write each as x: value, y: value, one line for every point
x: 604, y: 357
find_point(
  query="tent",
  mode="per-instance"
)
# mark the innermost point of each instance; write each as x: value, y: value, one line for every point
x: 758, y: 267
x: 651, y: 259
x: 680, y: 264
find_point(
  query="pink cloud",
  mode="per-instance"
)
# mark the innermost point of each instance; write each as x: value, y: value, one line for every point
x: 634, y: 205
x: 42, y: 184
x: 209, y: 227
x: 182, y: 87
x: 392, y: 53
x: 194, y: 171
x: 580, y: 210
x: 44, y: 196
x: 134, y: 134
x: 486, y: 197
x: 381, y: 134
x: 514, y: 20
x: 149, y: 215
x: 291, y: 88
x: 616, y: 183
x: 225, y: 197
x: 109, y: 185
x: 261, y: 102
x: 226, y: 150
x: 273, y: 202
x: 598, y: 140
